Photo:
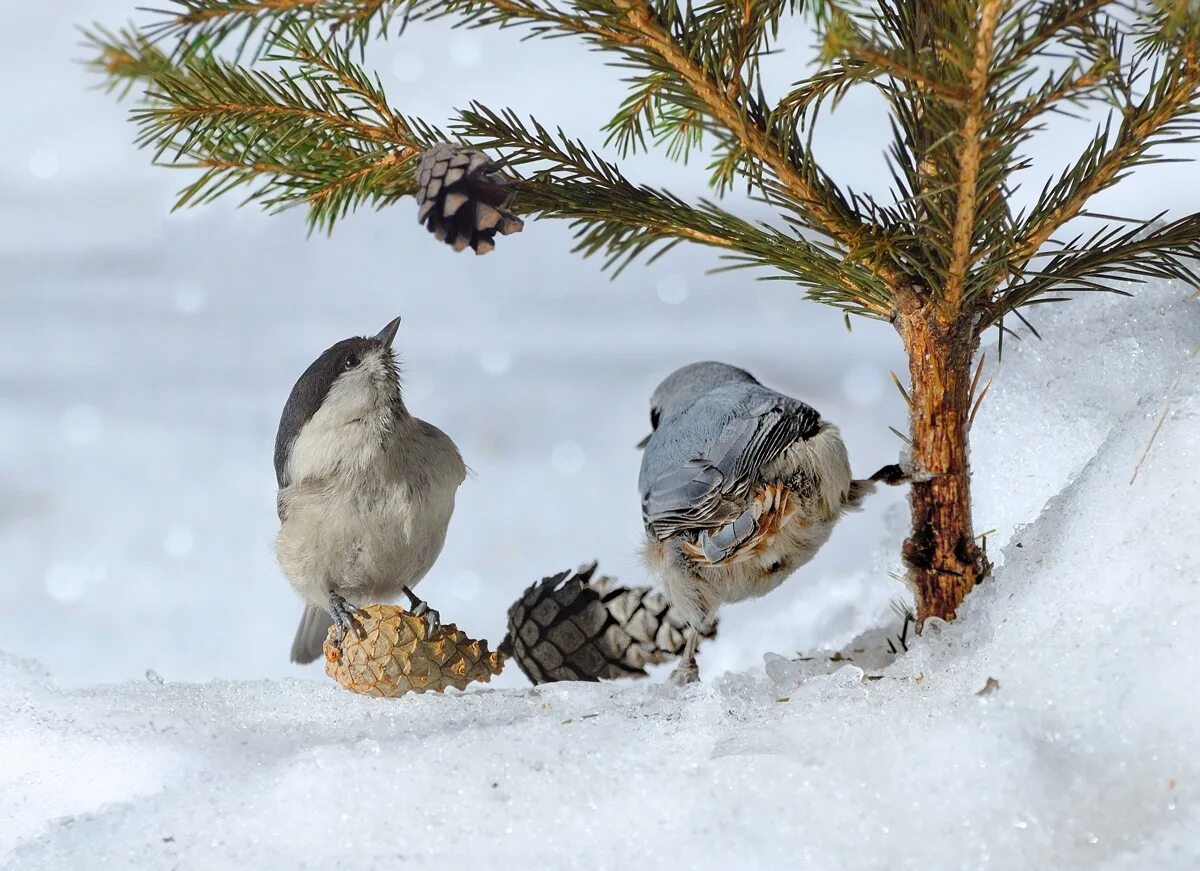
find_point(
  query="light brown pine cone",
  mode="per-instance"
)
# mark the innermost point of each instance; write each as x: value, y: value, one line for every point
x: 397, y: 655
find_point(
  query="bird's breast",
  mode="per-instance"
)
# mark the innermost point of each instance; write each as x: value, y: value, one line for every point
x: 375, y: 530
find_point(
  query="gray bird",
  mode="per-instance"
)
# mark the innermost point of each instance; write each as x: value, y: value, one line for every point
x: 366, y: 490
x: 740, y: 486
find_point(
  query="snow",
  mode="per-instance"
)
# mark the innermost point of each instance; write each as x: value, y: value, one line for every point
x: 1084, y: 752
x: 143, y: 363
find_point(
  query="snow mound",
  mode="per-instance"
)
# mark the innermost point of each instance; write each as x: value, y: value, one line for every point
x: 1055, y: 725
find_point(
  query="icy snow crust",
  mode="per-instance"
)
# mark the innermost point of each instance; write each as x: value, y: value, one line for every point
x: 1086, y: 755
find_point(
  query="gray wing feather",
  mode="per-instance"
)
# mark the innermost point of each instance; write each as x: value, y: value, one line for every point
x: 718, y: 545
x: 708, y: 491
x: 693, y: 487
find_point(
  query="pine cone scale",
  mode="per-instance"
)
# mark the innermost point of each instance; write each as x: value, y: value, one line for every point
x: 461, y: 196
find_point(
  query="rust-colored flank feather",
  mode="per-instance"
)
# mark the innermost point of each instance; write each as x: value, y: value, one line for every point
x: 775, y: 506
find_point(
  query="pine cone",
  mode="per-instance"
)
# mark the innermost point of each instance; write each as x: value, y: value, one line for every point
x: 397, y: 655
x: 571, y: 627
x: 460, y: 195
x: 645, y: 625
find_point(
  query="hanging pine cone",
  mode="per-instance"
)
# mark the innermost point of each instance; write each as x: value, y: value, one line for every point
x: 571, y: 627
x: 460, y: 195
x: 397, y: 655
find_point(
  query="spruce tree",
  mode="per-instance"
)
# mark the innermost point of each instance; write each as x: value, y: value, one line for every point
x: 269, y: 99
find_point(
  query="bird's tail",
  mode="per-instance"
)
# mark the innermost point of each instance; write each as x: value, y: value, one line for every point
x: 310, y: 635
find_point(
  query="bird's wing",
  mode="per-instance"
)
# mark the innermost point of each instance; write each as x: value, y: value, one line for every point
x: 706, y: 491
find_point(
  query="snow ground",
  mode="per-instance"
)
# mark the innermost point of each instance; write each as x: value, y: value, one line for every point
x: 143, y: 362
x: 1086, y: 755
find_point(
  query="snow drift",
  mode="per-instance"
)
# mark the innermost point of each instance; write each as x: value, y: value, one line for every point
x: 1056, y: 724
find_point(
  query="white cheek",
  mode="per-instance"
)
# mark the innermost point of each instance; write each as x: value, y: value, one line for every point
x: 332, y: 438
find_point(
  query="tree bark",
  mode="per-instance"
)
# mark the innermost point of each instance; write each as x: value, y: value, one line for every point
x: 943, y: 558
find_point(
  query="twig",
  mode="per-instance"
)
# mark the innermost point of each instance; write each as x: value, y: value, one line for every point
x: 900, y: 387
x: 978, y: 373
x: 1162, y: 418
x: 978, y: 402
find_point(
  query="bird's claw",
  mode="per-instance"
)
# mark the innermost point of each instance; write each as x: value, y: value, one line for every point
x: 905, y: 473
x: 685, y: 673
x: 420, y: 608
x: 893, y: 475
x: 433, y: 620
x: 345, y: 617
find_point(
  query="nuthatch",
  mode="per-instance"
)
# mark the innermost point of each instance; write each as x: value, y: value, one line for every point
x: 740, y: 487
x: 366, y: 490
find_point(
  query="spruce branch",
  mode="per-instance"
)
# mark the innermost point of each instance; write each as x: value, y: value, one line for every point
x: 701, y: 76
x: 1105, y: 260
x: 125, y: 59
x: 798, y: 177
x: 1032, y: 34
x: 211, y: 23
x: 1166, y: 115
x: 623, y: 220
x: 876, y: 52
x: 1070, y: 86
x: 321, y: 135
x: 324, y: 136
x: 971, y: 155
x: 957, y: 81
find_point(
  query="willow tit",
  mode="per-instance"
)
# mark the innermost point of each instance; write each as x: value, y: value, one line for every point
x: 740, y: 486
x: 366, y: 490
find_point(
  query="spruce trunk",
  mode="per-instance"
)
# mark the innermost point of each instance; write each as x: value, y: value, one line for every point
x: 942, y: 556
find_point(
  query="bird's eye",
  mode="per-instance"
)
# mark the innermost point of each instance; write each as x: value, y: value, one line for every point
x: 352, y: 360
x: 654, y: 418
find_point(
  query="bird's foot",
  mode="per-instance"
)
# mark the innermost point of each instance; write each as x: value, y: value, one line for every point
x: 904, y: 473
x: 420, y: 608
x: 685, y: 673
x: 893, y: 475
x: 908, y: 471
x: 345, y: 617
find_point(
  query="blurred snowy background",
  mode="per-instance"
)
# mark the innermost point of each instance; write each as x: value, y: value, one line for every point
x: 144, y: 359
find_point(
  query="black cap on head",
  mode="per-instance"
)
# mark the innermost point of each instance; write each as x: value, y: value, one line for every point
x: 313, y: 386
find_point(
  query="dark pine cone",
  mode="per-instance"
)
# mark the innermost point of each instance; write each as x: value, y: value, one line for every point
x: 645, y: 626
x: 460, y: 195
x: 571, y: 627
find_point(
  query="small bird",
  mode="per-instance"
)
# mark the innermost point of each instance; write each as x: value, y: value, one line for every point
x: 740, y: 486
x: 366, y: 490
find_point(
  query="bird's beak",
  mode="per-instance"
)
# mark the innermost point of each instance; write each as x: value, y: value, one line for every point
x: 643, y: 442
x: 388, y: 334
